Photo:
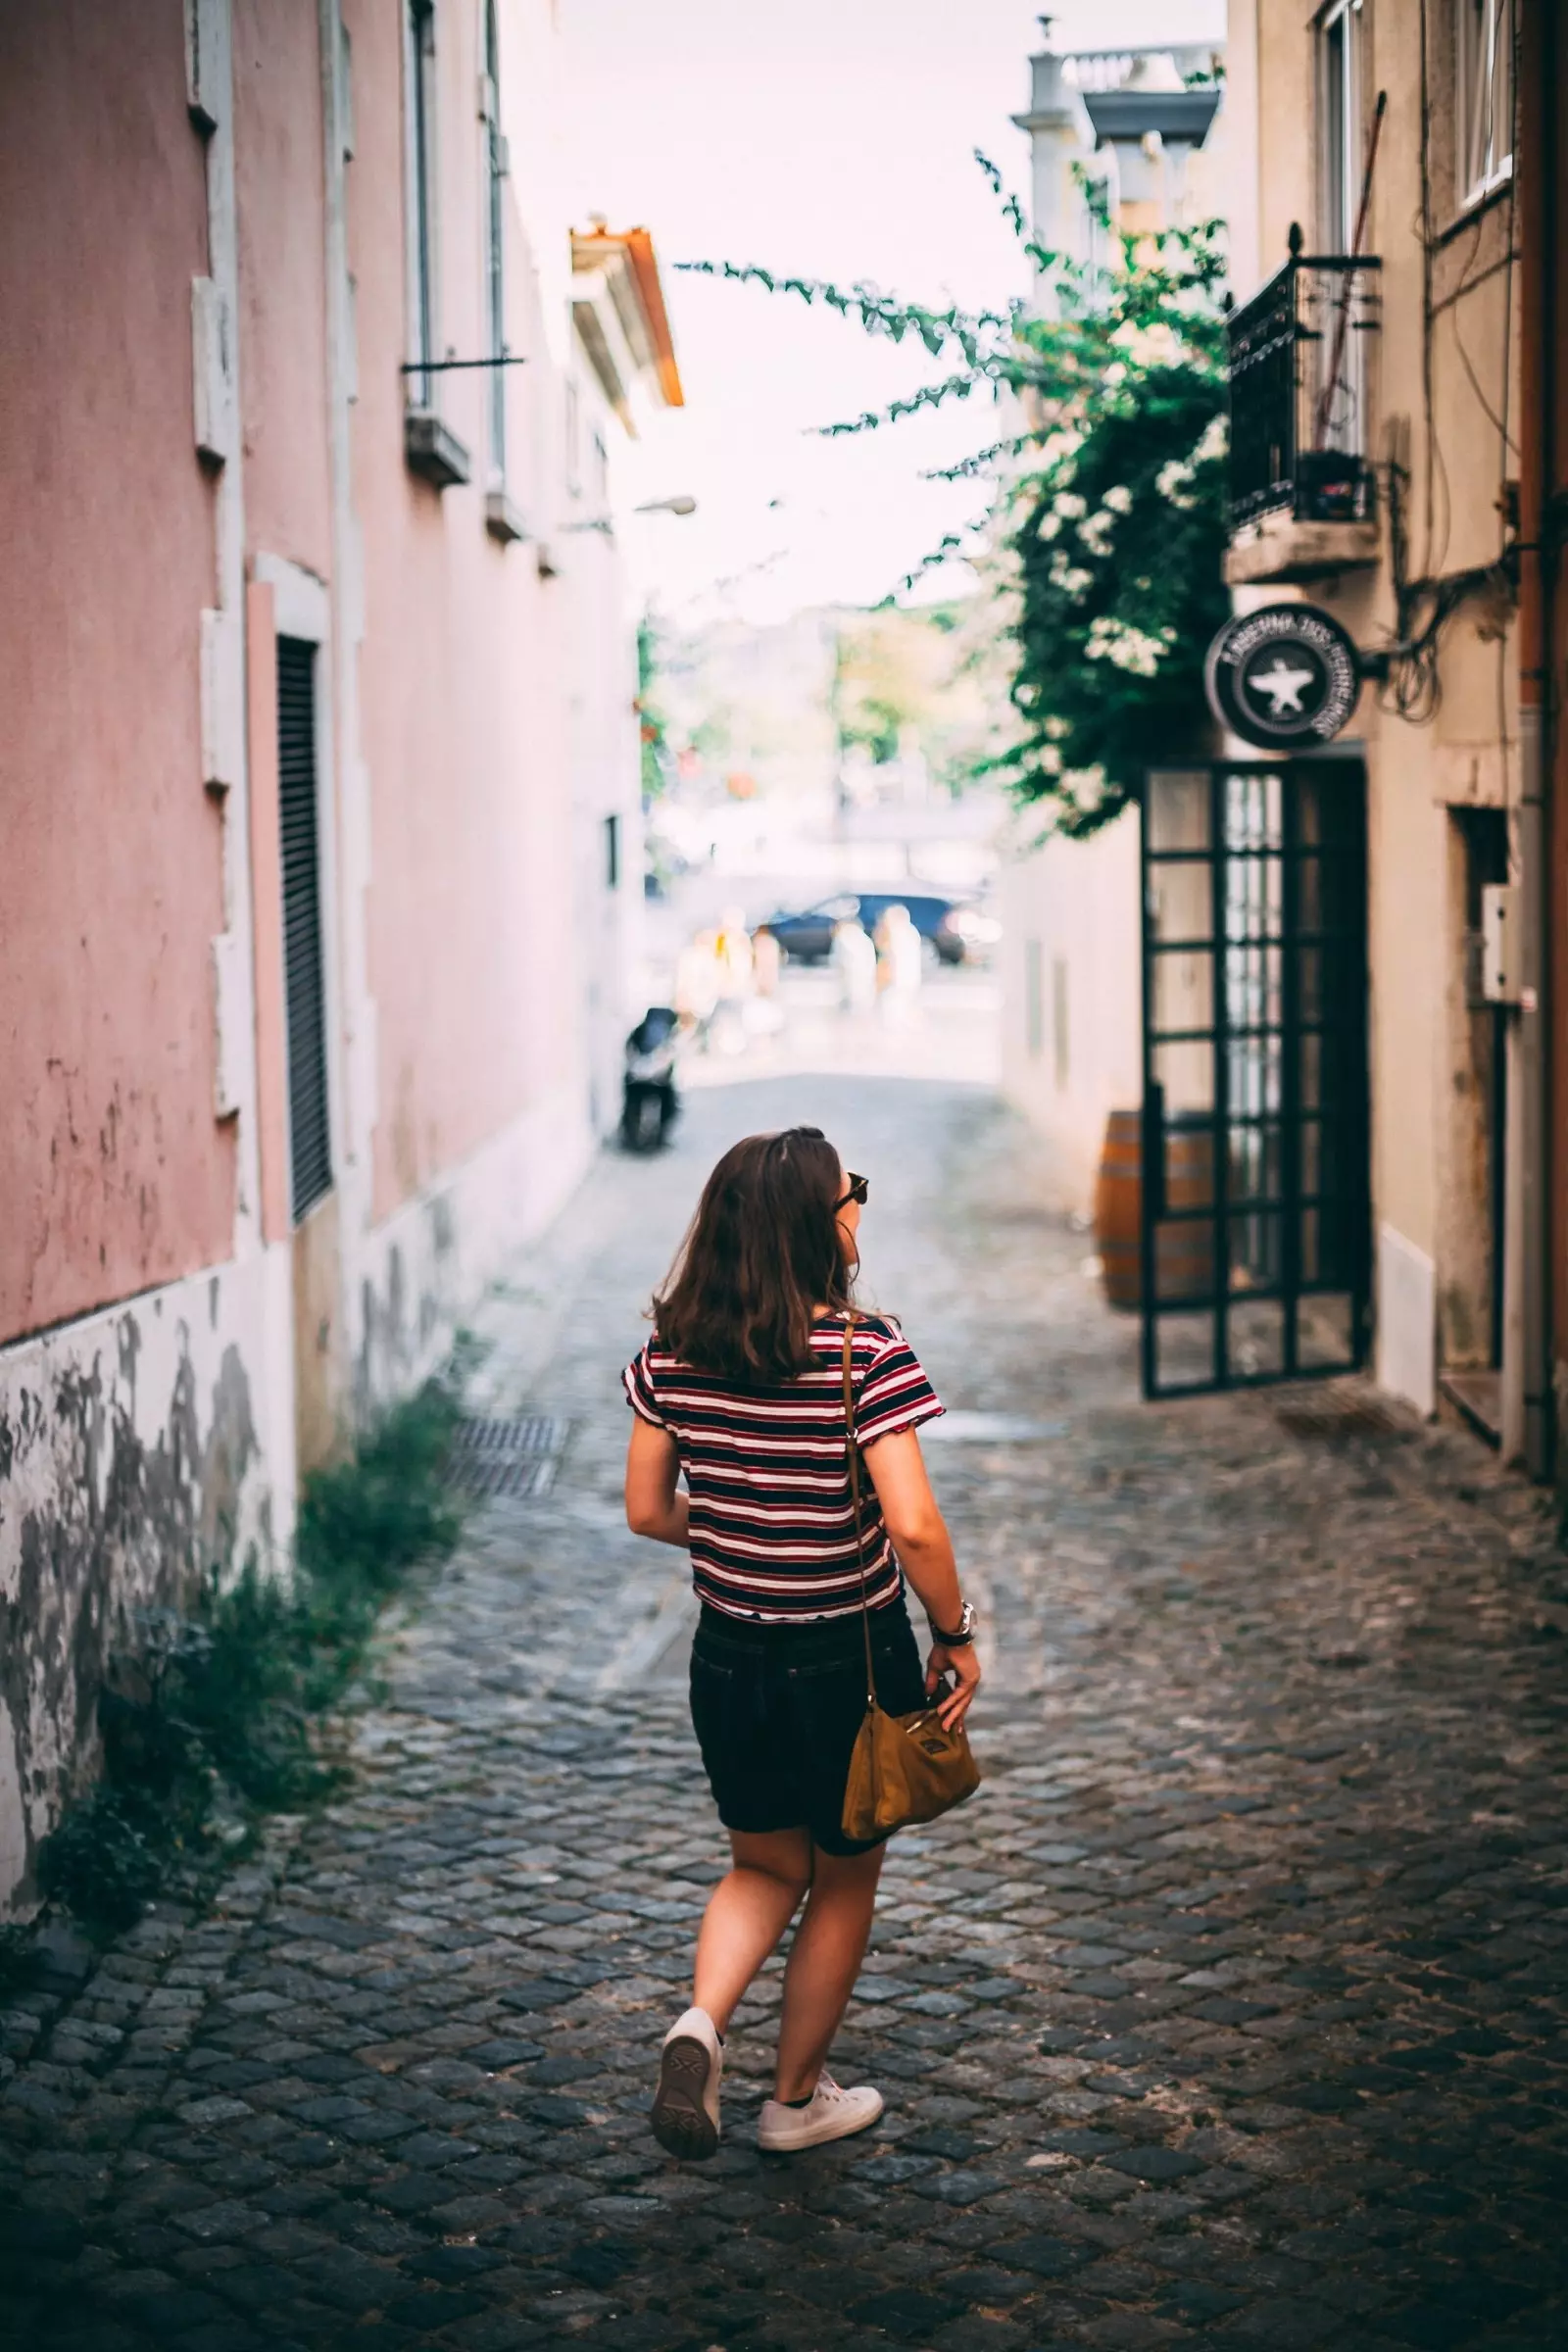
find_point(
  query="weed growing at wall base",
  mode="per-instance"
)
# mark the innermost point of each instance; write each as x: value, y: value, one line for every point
x: 212, y: 1716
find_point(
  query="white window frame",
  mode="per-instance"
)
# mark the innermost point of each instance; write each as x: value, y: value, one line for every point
x: 1339, y: 88
x: 494, y: 165
x: 423, y: 212
x: 1483, y: 88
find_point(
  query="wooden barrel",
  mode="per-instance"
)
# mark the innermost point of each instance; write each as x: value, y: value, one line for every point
x: 1118, y: 1196
x: 1184, y: 1252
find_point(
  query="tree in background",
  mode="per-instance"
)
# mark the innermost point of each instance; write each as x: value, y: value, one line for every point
x: 651, y: 726
x: 920, y: 674
x: 1107, y: 526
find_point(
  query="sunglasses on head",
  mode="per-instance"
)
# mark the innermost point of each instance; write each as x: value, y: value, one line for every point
x: 859, y: 1186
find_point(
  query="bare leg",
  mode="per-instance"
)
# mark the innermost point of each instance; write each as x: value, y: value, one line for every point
x: 823, y: 1963
x: 747, y: 1913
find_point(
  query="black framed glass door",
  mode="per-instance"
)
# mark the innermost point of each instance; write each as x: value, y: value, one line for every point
x: 1255, y: 1193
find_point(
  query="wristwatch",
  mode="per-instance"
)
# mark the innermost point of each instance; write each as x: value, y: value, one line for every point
x: 965, y: 1635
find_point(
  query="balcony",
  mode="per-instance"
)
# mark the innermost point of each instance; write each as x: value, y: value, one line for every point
x: 1302, y: 371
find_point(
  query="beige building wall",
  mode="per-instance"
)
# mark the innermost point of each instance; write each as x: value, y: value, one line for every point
x: 1437, y: 412
x: 1069, y: 972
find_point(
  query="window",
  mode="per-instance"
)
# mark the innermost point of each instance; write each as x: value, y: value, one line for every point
x: 495, y: 172
x: 310, y: 1140
x: 1033, y: 997
x: 571, y: 426
x: 421, y: 196
x: 1339, y: 158
x: 611, y: 853
x: 1060, y: 1032
x: 1483, y: 94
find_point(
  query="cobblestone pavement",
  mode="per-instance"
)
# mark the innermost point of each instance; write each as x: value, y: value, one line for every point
x: 1231, y: 2013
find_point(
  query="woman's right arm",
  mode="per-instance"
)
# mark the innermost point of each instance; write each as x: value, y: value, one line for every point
x: 654, y: 1506
x: 914, y: 1519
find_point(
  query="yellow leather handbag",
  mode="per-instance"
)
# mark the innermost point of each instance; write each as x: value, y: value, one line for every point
x: 905, y: 1768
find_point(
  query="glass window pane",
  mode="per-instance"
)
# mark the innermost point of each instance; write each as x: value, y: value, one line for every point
x: 1255, y: 1252
x: 1176, y: 808
x: 1311, y: 1071
x: 1253, y: 1071
x: 1256, y: 1164
x: 1253, y: 997
x: 1254, y: 806
x: 1183, y: 1351
x: 1254, y: 896
x: 1181, y: 901
x: 1189, y: 1163
x: 1310, y: 1159
x: 1184, y: 1259
x: 1309, y: 984
x: 1183, y: 990
x: 1325, y: 1332
x: 1186, y: 1073
x: 1310, y: 894
x: 1254, y: 1337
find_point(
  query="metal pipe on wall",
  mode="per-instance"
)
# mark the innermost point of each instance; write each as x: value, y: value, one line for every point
x: 1528, y: 1414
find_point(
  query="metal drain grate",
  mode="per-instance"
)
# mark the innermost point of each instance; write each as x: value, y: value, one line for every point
x: 519, y: 1458
x: 1336, y: 1412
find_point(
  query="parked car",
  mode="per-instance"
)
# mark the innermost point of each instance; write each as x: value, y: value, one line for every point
x: 957, y: 933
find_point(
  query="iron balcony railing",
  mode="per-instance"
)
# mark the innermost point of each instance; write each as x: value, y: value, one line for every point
x: 1300, y: 389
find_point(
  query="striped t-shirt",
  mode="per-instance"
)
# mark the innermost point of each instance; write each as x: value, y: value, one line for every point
x: 772, y: 1524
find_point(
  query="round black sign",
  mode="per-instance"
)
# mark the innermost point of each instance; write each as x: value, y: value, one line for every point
x: 1283, y: 677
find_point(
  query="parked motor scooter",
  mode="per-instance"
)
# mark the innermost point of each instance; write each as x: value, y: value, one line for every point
x: 649, y: 1103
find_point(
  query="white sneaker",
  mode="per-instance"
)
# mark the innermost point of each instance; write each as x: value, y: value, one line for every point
x: 685, y: 2110
x: 833, y: 2114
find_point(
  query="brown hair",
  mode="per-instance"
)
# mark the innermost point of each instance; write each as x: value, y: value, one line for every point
x: 761, y: 1254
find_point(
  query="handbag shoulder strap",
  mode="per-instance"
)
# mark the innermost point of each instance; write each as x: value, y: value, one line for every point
x: 853, y: 1451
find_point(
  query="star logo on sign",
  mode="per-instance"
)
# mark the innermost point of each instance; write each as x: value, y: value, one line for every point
x: 1283, y: 685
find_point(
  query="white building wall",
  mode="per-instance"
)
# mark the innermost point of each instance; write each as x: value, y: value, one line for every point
x: 1070, y: 995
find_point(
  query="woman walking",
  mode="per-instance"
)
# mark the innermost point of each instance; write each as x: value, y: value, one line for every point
x: 740, y: 1389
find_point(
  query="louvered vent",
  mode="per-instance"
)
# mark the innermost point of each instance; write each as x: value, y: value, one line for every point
x: 309, y: 1130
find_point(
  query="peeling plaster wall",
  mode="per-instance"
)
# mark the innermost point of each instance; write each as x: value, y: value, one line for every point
x: 134, y: 1450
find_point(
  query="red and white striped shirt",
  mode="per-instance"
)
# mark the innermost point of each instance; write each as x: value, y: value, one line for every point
x: 772, y: 1524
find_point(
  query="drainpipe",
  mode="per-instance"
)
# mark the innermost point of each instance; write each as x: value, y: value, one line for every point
x: 1527, y: 1413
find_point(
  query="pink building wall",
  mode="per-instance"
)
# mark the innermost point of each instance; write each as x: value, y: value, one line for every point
x: 471, y: 933
x: 279, y: 152
x: 115, y: 1174
x: 173, y: 1348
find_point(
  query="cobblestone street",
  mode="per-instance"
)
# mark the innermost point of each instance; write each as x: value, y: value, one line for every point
x: 1234, y: 2011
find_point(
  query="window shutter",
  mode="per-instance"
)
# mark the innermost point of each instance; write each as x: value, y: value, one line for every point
x: 309, y: 1125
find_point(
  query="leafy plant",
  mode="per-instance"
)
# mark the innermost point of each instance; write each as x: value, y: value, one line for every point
x: 1105, y: 527
x: 220, y: 1707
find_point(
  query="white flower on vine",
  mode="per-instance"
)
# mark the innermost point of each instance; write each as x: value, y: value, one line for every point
x: 1115, y: 374
x: 1056, y: 729
x: 1073, y: 581
x: 1173, y: 481
x: 1095, y: 533
x: 1120, y: 498
x: 1051, y: 760
x: 1050, y: 525
x: 1070, y: 506
x: 1126, y: 648
x: 1213, y: 441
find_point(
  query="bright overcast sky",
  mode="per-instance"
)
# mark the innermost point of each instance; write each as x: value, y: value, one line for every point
x: 833, y: 138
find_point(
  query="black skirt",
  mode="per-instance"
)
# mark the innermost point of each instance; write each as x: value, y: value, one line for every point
x: 776, y: 1709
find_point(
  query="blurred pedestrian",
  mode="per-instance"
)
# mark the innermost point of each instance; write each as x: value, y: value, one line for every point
x: 697, y: 985
x: 901, y: 963
x: 855, y: 960
x: 741, y: 1390
x: 766, y: 958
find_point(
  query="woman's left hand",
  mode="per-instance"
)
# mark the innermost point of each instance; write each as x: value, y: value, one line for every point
x: 964, y: 1667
